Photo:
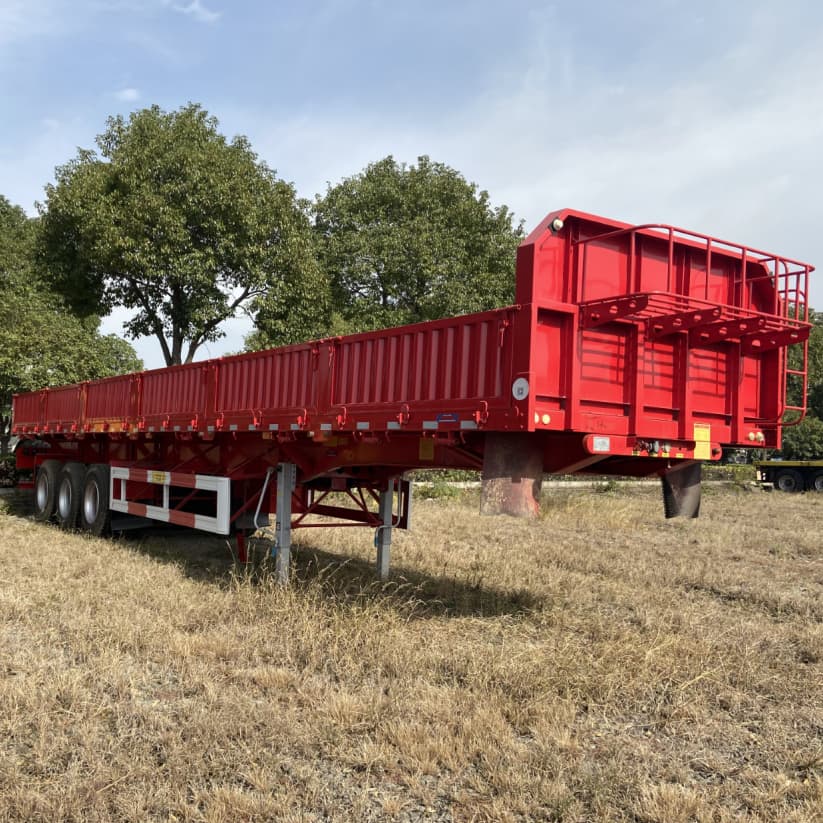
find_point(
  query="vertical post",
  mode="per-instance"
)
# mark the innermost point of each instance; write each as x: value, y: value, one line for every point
x: 286, y: 478
x: 383, y: 538
x: 512, y: 474
x: 242, y: 551
x: 681, y: 489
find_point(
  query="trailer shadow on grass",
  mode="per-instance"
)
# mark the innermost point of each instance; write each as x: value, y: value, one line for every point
x: 429, y: 595
x: 341, y: 577
x: 213, y: 559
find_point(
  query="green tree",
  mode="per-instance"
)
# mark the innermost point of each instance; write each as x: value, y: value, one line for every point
x: 406, y: 243
x: 16, y: 239
x: 42, y: 344
x: 804, y: 441
x: 815, y: 366
x: 171, y: 220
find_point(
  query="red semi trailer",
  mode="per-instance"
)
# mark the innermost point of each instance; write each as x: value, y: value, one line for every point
x: 630, y: 350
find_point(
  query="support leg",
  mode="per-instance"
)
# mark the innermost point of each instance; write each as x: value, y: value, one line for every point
x: 286, y: 477
x: 681, y: 490
x: 242, y: 552
x: 512, y: 475
x: 383, y: 538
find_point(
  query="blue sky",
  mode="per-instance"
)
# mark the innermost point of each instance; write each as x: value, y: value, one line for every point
x: 707, y: 115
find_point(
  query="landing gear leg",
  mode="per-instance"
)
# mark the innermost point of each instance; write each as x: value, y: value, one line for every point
x: 681, y: 490
x: 242, y: 551
x: 382, y: 539
x: 286, y: 479
x: 512, y: 475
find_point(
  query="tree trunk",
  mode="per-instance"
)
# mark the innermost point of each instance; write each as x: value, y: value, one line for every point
x: 176, y: 348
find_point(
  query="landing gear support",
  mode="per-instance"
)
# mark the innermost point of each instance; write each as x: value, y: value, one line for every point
x: 242, y: 547
x: 681, y: 490
x: 512, y: 475
x: 382, y: 538
x: 286, y: 480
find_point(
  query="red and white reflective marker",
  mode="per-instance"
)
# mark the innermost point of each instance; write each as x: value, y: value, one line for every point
x: 219, y: 524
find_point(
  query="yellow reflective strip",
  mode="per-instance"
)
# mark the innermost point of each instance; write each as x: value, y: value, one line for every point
x: 702, y: 441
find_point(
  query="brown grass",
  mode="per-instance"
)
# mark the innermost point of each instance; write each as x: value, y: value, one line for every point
x: 601, y: 664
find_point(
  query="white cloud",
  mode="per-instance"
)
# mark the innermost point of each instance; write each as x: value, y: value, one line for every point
x: 725, y: 141
x: 22, y: 19
x: 730, y: 148
x: 127, y: 95
x: 199, y: 12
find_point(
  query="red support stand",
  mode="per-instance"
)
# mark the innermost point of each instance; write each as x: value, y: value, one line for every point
x: 512, y: 475
x: 242, y: 552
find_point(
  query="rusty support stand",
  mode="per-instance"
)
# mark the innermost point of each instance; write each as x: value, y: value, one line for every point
x: 681, y: 489
x: 512, y: 475
x: 242, y: 548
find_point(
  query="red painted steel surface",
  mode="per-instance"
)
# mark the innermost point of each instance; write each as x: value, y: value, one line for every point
x: 179, y: 393
x: 280, y: 384
x: 29, y: 407
x: 444, y: 372
x: 64, y: 407
x: 628, y: 336
x: 109, y: 400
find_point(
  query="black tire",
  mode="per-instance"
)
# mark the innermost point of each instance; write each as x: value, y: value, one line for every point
x: 45, y: 490
x: 69, y: 494
x: 95, y: 514
x: 788, y: 480
x: 816, y: 484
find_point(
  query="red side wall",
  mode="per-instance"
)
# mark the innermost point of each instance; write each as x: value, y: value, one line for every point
x: 609, y: 376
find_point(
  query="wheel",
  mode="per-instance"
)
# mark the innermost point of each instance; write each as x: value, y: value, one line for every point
x: 45, y: 490
x: 817, y: 482
x: 788, y: 480
x: 95, y: 515
x: 69, y: 492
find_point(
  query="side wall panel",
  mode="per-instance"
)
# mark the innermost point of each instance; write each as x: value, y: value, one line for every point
x: 65, y: 405
x: 110, y: 399
x: 267, y: 380
x: 457, y: 362
x: 181, y: 390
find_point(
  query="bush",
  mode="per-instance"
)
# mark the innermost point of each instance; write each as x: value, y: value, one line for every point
x: 736, y: 473
x: 804, y: 441
x: 8, y: 471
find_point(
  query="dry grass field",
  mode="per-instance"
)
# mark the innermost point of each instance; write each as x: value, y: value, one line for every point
x: 600, y: 664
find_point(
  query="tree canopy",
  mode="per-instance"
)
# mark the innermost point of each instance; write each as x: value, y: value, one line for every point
x: 16, y: 239
x: 805, y: 440
x: 41, y: 343
x: 815, y: 366
x: 406, y: 243
x: 185, y: 228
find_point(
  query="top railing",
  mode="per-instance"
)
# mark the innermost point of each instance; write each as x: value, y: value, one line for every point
x: 789, y: 278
